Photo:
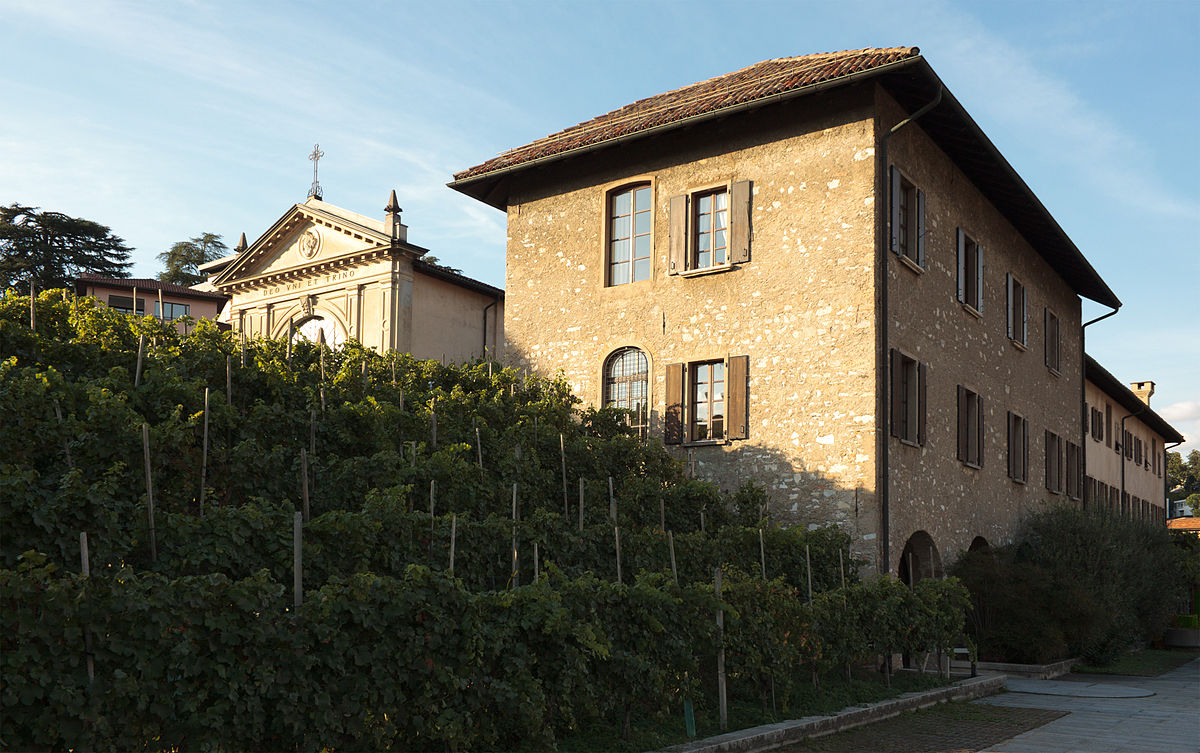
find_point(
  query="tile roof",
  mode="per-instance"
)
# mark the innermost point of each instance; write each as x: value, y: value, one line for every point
x: 1184, y: 524
x: 147, y: 283
x: 1120, y: 392
x: 756, y: 82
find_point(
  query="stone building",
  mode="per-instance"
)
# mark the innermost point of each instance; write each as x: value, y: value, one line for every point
x: 819, y: 274
x: 1126, y: 446
x: 321, y: 271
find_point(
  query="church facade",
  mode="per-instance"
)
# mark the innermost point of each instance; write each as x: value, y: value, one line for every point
x: 321, y: 272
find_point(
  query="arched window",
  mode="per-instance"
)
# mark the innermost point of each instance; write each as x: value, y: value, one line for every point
x: 627, y: 385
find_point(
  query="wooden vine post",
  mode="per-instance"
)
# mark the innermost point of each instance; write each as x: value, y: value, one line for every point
x: 137, y: 374
x: 66, y: 445
x: 516, y: 571
x: 33, y: 305
x: 297, y: 560
x: 478, y: 449
x: 617, y: 538
x: 671, y: 545
x: 204, y: 456
x: 808, y: 567
x: 721, y: 697
x: 453, y: 537
x: 149, y: 491
x: 229, y: 381
x: 762, y: 553
x: 304, y: 483
x: 562, y: 452
x: 612, y: 502
x: 86, y: 570
x: 581, y: 503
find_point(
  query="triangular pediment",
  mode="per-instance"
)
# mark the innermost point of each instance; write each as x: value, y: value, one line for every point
x: 309, y: 236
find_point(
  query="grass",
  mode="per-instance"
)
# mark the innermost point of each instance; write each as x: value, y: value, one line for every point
x: 1149, y: 662
x: 652, y: 733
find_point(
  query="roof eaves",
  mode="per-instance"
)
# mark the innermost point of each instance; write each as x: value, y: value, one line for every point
x: 1124, y: 396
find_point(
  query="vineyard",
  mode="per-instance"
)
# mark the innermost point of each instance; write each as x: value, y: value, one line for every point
x: 290, y: 547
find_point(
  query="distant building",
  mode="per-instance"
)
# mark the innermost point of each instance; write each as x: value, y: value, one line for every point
x: 1126, y: 446
x: 323, y: 272
x: 819, y: 274
x: 164, y: 300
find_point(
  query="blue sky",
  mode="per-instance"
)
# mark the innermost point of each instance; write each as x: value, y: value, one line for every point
x: 164, y: 120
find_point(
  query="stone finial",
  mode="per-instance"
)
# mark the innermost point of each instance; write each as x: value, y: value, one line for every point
x: 393, y: 206
x: 1143, y: 390
x: 241, y: 244
x: 395, y: 229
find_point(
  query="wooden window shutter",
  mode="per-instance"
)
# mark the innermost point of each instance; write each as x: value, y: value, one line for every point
x: 894, y: 198
x: 962, y: 266
x: 1024, y: 316
x: 895, y: 395
x: 920, y: 227
x: 1009, y: 306
x: 677, y: 235
x: 962, y: 424
x: 1025, y: 450
x: 739, y: 222
x: 739, y: 403
x: 1012, y: 455
x: 979, y: 428
x: 979, y: 277
x: 921, y: 403
x: 1046, y: 335
x: 673, y: 426
x: 1049, y: 467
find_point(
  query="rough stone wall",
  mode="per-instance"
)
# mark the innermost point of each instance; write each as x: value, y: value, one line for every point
x: 802, y: 308
x: 930, y: 489
x: 1104, y: 463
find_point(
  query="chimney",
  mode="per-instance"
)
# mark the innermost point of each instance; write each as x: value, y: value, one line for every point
x: 1143, y: 390
x: 392, y: 225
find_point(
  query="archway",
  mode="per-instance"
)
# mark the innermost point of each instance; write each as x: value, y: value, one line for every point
x: 317, y: 328
x: 979, y: 544
x: 920, y: 559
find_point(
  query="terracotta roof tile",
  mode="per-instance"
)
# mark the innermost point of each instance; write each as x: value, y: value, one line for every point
x: 1184, y: 524
x: 755, y: 82
x: 147, y: 283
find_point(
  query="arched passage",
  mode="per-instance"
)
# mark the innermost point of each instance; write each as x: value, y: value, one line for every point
x: 920, y: 559
x: 979, y: 544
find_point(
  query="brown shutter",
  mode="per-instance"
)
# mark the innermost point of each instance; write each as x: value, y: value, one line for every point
x: 921, y: 403
x: 739, y: 404
x: 673, y: 426
x: 1024, y: 449
x: 962, y: 425
x: 1049, y: 465
x: 962, y: 266
x: 979, y: 428
x: 739, y: 222
x: 894, y: 197
x: 1011, y: 305
x: 678, y: 235
x: 1046, y: 335
x: 1012, y: 455
x: 895, y: 393
x: 920, y: 227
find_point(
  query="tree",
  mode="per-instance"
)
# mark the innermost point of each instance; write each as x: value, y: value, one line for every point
x: 53, y: 249
x: 182, y: 263
x: 1193, y: 502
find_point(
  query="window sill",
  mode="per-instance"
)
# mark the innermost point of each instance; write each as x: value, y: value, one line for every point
x: 705, y: 271
x: 911, y: 264
x: 628, y: 285
x: 972, y: 311
x: 975, y: 466
x: 705, y: 443
x: 1021, y: 481
x: 1019, y: 345
x: 909, y: 442
x: 1053, y: 371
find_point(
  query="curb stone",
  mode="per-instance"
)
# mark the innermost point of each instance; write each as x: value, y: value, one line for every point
x: 769, y: 736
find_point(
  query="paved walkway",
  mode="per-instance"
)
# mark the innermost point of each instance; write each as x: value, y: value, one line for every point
x: 1166, y: 722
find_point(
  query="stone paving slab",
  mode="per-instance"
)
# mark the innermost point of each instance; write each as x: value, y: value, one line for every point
x: 1074, y: 688
x: 1165, y: 722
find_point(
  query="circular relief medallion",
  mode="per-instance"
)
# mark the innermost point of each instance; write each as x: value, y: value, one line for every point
x: 310, y: 243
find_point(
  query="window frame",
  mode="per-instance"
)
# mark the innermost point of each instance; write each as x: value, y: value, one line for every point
x: 694, y: 231
x: 1015, y: 293
x: 172, y: 306
x: 970, y: 272
x: 1074, y: 470
x: 114, y: 300
x: 611, y: 194
x: 679, y: 415
x: 1054, y: 462
x: 908, y: 380
x: 1018, y: 448
x: 970, y: 427
x: 683, y: 228
x: 695, y: 368
x: 639, y: 423
x: 907, y: 217
x: 1053, y: 341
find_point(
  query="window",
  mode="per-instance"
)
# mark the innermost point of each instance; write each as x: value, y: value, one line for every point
x: 630, y: 243
x: 710, y: 229
x: 908, y: 219
x: 908, y: 399
x: 970, y: 272
x: 1016, y: 311
x: 1156, y: 457
x: 1074, y: 470
x: 172, y: 310
x: 1053, y: 345
x: 1054, y: 465
x: 124, y: 304
x: 707, y: 401
x: 1128, y: 445
x: 1137, y: 450
x: 1108, y: 425
x: 970, y: 427
x: 626, y: 386
x: 1097, y: 425
x: 1018, y: 448
x: 711, y: 241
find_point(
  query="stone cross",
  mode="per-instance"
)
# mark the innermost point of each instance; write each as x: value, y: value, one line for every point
x: 316, y: 156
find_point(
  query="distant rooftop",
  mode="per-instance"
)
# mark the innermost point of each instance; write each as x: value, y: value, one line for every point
x: 146, y: 283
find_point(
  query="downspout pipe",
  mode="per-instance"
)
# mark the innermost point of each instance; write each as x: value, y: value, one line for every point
x: 882, y: 250
x: 1083, y: 395
x: 485, y: 313
x: 1123, y: 449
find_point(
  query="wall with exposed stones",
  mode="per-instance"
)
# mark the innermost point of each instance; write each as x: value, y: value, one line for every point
x: 802, y: 308
x: 930, y: 488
